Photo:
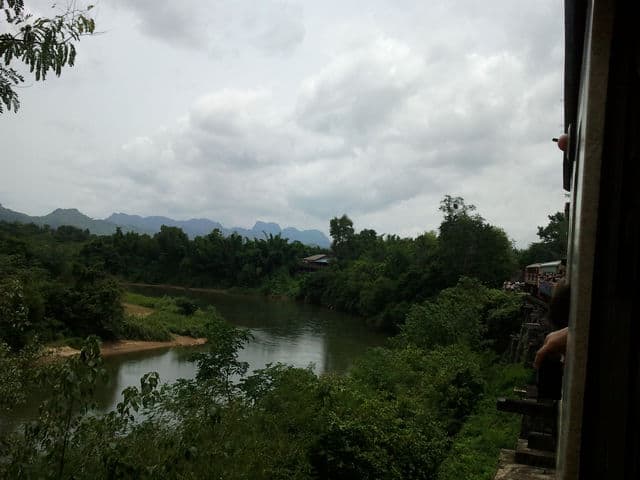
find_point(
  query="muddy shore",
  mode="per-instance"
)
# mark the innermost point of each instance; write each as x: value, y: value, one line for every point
x: 127, y: 346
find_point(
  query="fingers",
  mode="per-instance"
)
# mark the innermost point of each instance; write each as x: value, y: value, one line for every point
x: 555, y: 342
x: 540, y: 354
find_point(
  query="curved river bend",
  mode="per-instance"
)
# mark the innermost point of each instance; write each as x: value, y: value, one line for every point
x: 284, y: 331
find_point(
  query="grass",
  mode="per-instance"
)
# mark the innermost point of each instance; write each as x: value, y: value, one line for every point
x: 171, y: 315
x: 144, y: 328
x: 149, y: 302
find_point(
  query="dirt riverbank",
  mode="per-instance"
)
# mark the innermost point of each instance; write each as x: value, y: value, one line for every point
x: 177, y: 287
x: 127, y: 346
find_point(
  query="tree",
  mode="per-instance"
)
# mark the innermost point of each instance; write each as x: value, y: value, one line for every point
x: 454, y: 206
x: 555, y: 234
x: 552, y: 245
x: 41, y: 44
x: 342, y: 232
x: 470, y: 246
x: 14, y: 314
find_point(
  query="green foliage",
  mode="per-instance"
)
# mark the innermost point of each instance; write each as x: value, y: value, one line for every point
x: 393, y: 417
x: 468, y: 313
x: 171, y: 315
x: 209, y: 261
x: 383, y: 277
x: 552, y: 245
x: 555, y: 234
x: 44, y: 445
x: 368, y: 436
x: 49, y: 292
x: 469, y: 246
x: 455, y: 383
x: 144, y: 328
x: 41, y: 44
x: 446, y: 380
x: 379, y: 277
x: 475, y: 449
x: 16, y: 374
x: 219, y: 366
x: 191, y: 326
x: 453, y: 207
x: 281, y: 284
x: 186, y: 306
x: 161, y: 303
x: 14, y: 313
x: 454, y: 316
x: 90, y: 305
x: 503, y: 319
x: 341, y: 230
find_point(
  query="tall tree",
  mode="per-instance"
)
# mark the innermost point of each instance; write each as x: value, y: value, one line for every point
x: 555, y: 234
x: 469, y: 246
x: 342, y: 233
x: 452, y: 207
x: 552, y: 245
x: 41, y: 44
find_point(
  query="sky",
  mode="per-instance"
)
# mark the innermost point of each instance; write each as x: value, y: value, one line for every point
x: 298, y: 111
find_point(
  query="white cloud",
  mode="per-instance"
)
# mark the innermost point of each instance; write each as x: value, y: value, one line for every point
x: 359, y: 90
x: 220, y: 26
x: 307, y: 111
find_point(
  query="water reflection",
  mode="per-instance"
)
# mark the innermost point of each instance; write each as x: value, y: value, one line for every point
x: 290, y: 332
x: 283, y: 331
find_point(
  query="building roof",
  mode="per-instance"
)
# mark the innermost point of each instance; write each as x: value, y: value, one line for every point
x: 555, y: 263
x: 316, y: 258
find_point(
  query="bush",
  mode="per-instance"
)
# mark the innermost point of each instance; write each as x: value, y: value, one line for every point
x: 366, y: 435
x: 14, y: 314
x: 185, y: 306
x: 454, y: 316
x: 468, y: 313
x: 446, y: 381
x: 475, y: 449
x: 92, y: 305
x: 503, y: 319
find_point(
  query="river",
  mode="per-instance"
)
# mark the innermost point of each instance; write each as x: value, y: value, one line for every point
x: 283, y: 331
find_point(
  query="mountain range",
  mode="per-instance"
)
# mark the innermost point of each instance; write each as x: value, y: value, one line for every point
x: 150, y: 225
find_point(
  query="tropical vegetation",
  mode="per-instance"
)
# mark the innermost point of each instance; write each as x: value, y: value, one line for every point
x: 420, y: 407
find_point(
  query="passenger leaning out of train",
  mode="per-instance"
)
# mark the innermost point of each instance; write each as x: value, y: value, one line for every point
x: 556, y: 342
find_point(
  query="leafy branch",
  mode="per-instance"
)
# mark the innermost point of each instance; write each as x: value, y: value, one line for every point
x: 42, y: 44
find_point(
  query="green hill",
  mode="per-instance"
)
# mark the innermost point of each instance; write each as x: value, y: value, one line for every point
x: 65, y: 216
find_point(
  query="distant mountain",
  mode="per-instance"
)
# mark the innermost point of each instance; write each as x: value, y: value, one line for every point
x: 135, y: 223
x: 12, y: 216
x: 71, y: 216
x: 308, y: 237
x: 65, y: 216
x: 203, y: 226
x: 193, y: 227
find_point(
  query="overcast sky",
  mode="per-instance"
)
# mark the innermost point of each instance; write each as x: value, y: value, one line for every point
x: 298, y: 111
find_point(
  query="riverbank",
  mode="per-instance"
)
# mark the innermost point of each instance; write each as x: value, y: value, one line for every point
x: 178, y: 287
x: 119, y: 347
x: 235, y: 291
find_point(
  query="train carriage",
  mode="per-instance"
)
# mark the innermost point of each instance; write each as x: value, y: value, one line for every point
x: 541, y: 278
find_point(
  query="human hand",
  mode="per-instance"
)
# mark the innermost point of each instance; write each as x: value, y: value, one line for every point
x: 555, y: 342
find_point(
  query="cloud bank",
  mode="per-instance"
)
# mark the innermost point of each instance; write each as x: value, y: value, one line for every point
x: 296, y: 113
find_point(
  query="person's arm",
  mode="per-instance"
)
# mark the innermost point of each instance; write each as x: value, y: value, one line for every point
x: 555, y: 342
